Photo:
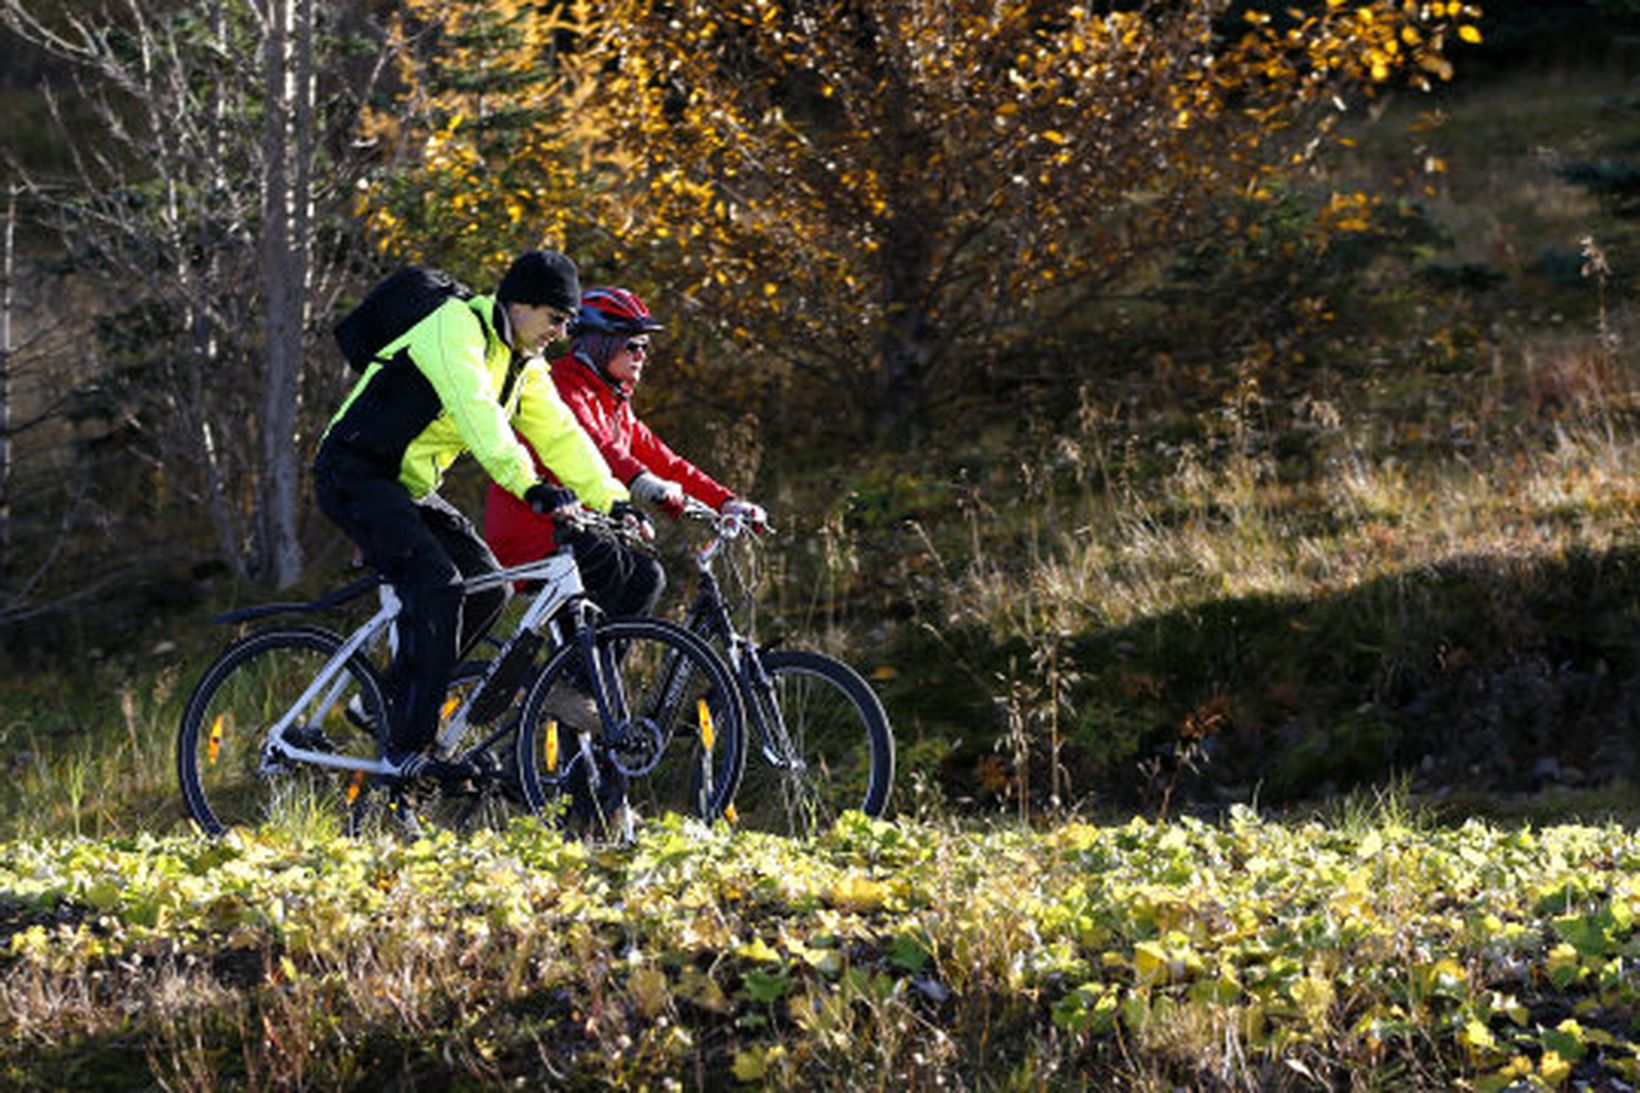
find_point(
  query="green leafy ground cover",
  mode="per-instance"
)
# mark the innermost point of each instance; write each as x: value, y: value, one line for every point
x: 1369, y: 951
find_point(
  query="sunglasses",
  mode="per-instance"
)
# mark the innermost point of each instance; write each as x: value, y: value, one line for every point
x: 637, y: 349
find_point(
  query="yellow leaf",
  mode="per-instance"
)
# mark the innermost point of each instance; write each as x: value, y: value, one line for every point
x: 857, y: 893
x: 1470, y: 34
x: 1553, y: 1068
x: 750, y: 1065
x: 1053, y: 137
x: 1478, y: 1038
x: 759, y: 950
x: 1314, y: 996
x: 1149, y: 961
x: 649, y: 990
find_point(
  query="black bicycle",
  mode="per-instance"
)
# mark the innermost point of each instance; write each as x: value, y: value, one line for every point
x: 288, y: 724
x: 823, y: 739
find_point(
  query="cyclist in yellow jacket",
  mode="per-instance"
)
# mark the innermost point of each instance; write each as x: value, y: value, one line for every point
x: 458, y: 381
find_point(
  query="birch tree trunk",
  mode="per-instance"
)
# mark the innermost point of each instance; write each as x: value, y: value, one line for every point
x: 205, y: 345
x: 8, y: 270
x: 287, y: 219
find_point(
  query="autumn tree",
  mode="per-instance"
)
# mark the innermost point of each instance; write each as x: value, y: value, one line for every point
x: 878, y: 202
x: 881, y: 194
x: 475, y: 158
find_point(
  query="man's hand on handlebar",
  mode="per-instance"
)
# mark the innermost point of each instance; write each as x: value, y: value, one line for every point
x: 631, y: 519
x: 547, y: 499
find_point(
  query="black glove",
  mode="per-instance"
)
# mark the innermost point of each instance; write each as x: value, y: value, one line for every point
x: 631, y: 517
x: 544, y: 498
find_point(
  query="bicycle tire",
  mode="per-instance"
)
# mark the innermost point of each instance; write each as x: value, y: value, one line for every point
x: 835, y: 724
x: 227, y: 780
x: 676, y: 707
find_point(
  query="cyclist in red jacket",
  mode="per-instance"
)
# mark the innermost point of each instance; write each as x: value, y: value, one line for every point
x: 609, y: 346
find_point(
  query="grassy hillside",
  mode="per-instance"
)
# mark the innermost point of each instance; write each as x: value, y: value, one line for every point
x: 1405, y: 545
x: 1403, y: 549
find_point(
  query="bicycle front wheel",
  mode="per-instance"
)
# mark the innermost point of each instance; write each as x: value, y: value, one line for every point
x: 677, y: 744
x: 230, y: 772
x: 822, y: 746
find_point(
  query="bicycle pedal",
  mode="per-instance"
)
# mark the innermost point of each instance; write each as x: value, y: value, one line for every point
x: 423, y: 767
x: 309, y: 738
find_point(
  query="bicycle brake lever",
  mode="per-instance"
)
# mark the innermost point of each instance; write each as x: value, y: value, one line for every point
x: 574, y: 520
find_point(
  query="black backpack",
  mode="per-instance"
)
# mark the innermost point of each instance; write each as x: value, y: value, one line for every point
x: 397, y: 302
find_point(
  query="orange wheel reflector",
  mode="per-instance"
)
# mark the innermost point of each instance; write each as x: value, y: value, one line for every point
x: 355, y: 786
x: 708, y: 734
x: 214, y: 744
x: 450, y: 706
x: 552, y: 747
x: 730, y: 814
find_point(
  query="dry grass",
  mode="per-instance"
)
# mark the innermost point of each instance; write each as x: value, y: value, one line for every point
x: 1199, y: 533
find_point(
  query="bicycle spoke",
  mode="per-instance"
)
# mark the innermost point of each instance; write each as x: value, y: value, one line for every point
x: 676, y: 749
x: 824, y: 746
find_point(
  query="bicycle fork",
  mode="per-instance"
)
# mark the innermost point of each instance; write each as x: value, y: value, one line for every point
x: 764, y: 706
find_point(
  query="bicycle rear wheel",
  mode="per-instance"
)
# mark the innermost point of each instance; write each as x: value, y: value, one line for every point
x: 823, y: 745
x: 679, y: 748
x: 231, y: 776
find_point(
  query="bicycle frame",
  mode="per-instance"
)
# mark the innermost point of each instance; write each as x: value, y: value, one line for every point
x: 560, y: 586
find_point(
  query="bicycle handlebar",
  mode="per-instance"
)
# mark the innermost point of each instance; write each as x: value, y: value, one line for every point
x: 725, y: 525
x: 579, y: 518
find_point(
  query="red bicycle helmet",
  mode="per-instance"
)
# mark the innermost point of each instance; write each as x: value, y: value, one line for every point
x: 612, y: 311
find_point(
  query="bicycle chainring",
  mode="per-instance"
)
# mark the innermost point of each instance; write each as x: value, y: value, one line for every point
x: 639, y: 749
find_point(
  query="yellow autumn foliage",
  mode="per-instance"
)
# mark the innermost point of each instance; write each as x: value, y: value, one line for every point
x: 922, y: 182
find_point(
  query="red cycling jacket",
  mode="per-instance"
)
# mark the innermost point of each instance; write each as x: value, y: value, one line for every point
x: 517, y: 534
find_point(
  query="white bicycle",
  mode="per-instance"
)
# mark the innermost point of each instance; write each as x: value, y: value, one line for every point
x: 289, y: 721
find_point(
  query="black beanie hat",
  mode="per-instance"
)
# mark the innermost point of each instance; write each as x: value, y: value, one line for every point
x: 541, y: 277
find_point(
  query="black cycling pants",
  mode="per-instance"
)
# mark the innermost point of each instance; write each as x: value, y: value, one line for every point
x: 620, y: 579
x: 424, y: 549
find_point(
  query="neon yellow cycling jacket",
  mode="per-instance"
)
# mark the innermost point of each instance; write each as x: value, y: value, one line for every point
x: 450, y: 385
